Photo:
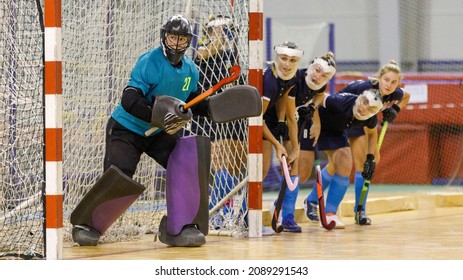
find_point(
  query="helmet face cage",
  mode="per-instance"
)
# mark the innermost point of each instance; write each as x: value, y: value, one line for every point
x: 180, y: 27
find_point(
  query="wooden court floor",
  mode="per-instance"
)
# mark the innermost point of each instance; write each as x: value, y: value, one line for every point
x: 427, y: 230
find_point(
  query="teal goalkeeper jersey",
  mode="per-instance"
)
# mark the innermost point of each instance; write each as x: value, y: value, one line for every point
x: 154, y: 75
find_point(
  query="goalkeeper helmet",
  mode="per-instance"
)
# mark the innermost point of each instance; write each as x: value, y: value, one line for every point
x: 176, y: 37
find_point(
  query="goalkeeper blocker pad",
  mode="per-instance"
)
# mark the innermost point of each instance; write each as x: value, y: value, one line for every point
x: 238, y: 102
x: 107, y: 200
x: 187, y: 183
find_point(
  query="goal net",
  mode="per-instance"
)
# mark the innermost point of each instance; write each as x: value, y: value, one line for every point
x: 21, y: 125
x: 101, y: 41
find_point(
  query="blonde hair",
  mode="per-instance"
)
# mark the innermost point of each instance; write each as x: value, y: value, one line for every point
x: 329, y: 57
x: 391, y: 66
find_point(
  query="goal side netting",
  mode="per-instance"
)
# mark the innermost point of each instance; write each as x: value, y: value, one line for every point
x: 101, y: 41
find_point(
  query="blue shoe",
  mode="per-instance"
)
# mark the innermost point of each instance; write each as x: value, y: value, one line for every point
x: 289, y: 225
x: 310, y: 210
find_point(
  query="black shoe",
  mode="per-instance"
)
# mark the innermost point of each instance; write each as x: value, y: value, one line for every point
x: 363, y: 219
x: 85, y: 235
x: 310, y: 210
x: 190, y: 236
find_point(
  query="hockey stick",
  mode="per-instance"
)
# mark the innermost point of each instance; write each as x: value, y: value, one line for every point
x: 281, y: 194
x: 234, y: 74
x: 291, y: 185
x: 286, y: 183
x: 366, y: 184
x: 321, y: 199
x: 284, y: 165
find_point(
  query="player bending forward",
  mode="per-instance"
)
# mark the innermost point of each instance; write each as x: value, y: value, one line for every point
x: 161, y: 81
x: 338, y: 113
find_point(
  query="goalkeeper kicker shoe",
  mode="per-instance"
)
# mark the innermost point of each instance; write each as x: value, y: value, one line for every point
x: 190, y: 236
x: 310, y: 210
x: 85, y: 235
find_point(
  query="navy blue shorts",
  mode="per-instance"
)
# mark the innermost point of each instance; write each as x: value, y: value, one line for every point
x: 305, y: 141
x: 332, y: 140
x: 355, y: 132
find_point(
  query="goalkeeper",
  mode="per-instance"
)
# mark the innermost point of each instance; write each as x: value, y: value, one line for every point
x: 161, y: 81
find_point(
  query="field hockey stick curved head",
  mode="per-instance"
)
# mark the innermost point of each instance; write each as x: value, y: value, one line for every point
x: 284, y: 165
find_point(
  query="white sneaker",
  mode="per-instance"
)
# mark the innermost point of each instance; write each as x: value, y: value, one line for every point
x: 267, y: 231
x: 339, y: 224
x: 271, y: 209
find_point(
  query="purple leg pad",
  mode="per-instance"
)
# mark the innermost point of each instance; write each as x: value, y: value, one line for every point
x: 107, y: 200
x: 109, y: 211
x: 186, y: 184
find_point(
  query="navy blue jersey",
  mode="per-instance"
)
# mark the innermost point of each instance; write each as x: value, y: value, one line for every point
x: 337, y: 113
x: 358, y: 87
x: 336, y: 117
x: 274, y: 89
x: 301, y: 92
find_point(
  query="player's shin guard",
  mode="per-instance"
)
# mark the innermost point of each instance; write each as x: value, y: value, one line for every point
x: 358, y: 184
x: 361, y: 218
x: 106, y: 201
x: 326, y: 181
x: 289, y: 201
x: 187, y: 182
x: 336, y: 192
x: 288, y: 207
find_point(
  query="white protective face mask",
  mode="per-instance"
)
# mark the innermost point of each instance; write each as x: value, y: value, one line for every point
x: 372, y: 99
x: 311, y: 75
x: 291, y: 51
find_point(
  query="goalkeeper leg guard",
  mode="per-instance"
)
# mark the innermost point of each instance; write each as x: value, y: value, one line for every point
x: 108, y: 199
x: 288, y: 208
x: 187, y: 182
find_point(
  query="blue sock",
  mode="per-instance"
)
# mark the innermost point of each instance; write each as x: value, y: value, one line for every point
x: 358, y: 183
x: 326, y: 181
x: 223, y: 183
x: 336, y: 193
x: 289, y: 201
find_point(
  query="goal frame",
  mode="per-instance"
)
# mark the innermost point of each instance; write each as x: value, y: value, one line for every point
x: 53, y: 202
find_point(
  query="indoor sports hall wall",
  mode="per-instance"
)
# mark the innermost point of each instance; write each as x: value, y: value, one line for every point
x: 425, y: 143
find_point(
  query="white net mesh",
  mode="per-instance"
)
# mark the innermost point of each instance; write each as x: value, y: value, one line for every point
x: 101, y: 41
x: 21, y: 125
